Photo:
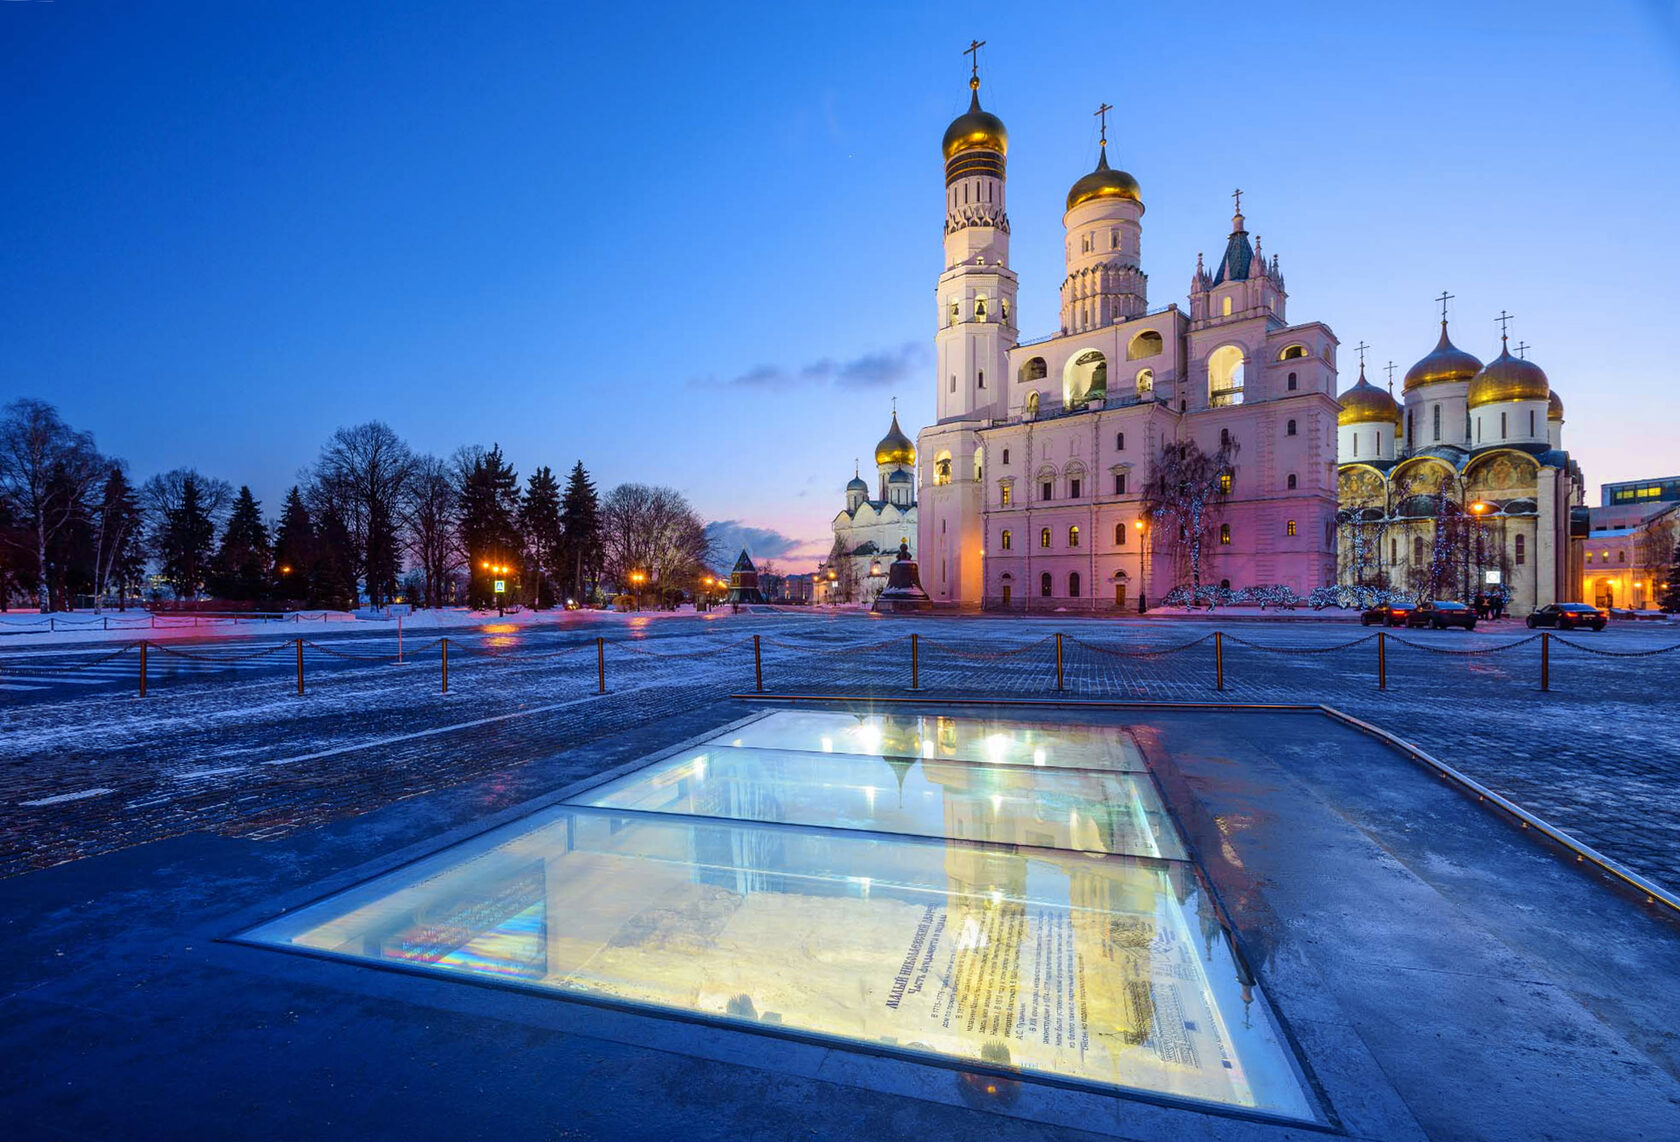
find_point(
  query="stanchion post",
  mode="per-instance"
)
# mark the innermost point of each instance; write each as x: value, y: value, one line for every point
x: 1219, y: 660
x: 915, y: 663
x: 444, y: 643
x: 1382, y: 661
x: 142, y: 668
x: 300, y: 667
x: 601, y: 664
x: 758, y: 665
x: 1058, y: 660
x: 1545, y: 660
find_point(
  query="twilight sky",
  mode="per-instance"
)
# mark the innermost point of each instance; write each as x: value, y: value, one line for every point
x: 697, y: 245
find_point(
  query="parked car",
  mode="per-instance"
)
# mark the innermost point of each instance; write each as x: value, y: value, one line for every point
x: 1442, y: 613
x: 1386, y: 614
x: 1568, y: 616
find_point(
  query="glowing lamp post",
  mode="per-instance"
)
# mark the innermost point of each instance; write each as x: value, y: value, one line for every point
x: 637, y: 578
x: 1143, y: 565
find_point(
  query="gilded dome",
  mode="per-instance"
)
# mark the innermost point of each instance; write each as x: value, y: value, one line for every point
x: 1104, y: 182
x: 1554, y: 407
x: 895, y: 447
x: 1508, y: 378
x: 1365, y: 403
x: 975, y: 129
x: 1447, y: 362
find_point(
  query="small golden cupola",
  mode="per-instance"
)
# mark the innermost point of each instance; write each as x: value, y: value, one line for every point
x: 1554, y: 406
x: 895, y: 447
x: 1446, y: 362
x: 975, y: 129
x: 1365, y: 403
x: 1103, y: 182
x: 1507, y: 378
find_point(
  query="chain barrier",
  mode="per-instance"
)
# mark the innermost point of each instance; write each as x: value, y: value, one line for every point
x: 630, y: 645
x: 837, y: 651
x: 1471, y: 652
x: 981, y: 656
x: 1561, y: 641
x: 219, y: 658
x: 31, y: 667
x: 480, y: 652
x: 1158, y: 653
x: 347, y: 655
x: 1231, y: 638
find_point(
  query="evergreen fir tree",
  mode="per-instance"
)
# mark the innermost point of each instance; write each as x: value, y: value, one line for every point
x: 294, y: 550
x: 119, y: 560
x: 488, y: 514
x: 334, y: 570
x: 539, y: 525
x: 1669, y: 601
x: 242, y: 561
x: 185, y: 541
x: 580, y: 524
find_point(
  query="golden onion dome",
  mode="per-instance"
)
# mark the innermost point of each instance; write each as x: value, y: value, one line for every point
x: 1104, y: 182
x: 975, y: 129
x: 1554, y: 407
x: 895, y: 447
x: 1365, y: 403
x: 1447, y: 362
x: 1508, y: 378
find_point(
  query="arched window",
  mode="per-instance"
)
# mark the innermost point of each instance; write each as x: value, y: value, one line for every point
x: 1292, y: 481
x: 1119, y: 535
x: 1145, y: 344
x: 1292, y: 384
x: 1225, y: 376
x: 1032, y: 406
x: 1119, y: 441
x: 1006, y: 457
x: 1073, y: 536
x: 1114, y: 239
x: 1035, y: 369
x: 1044, y: 537
x: 981, y: 383
x: 1044, y: 584
x: 942, y: 471
x: 1073, y: 584
x: 980, y: 308
x: 1003, y: 308
x: 1289, y: 430
x: 1006, y: 540
x: 1225, y: 533
x: 1085, y: 378
x: 1145, y: 382
x: 1292, y: 352
x: 1417, y: 551
x: 954, y: 312
x: 1289, y: 529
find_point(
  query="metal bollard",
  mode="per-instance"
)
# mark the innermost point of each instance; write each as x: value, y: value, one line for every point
x: 1058, y: 660
x: 1219, y: 660
x: 444, y: 643
x: 915, y: 664
x: 601, y: 664
x: 300, y: 668
x: 1545, y: 660
x: 758, y: 665
x: 1382, y: 661
x: 142, y: 668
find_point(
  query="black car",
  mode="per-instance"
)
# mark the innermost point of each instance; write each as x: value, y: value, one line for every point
x: 1387, y: 614
x: 1567, y: 616
x: 1442, y: 613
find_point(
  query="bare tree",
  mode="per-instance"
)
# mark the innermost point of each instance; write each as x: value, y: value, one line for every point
x: 429, y: 525
x: 844, y: 583
x: 47, y: 470
x: 361, y: 474
x: 654, y: 531
x: 1184, y: 496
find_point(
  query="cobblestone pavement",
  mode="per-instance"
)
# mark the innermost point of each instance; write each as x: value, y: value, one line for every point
x: 239, y: 754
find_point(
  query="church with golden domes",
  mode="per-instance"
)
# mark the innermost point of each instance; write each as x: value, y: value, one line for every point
x: 1034, y: 471
x: 1461, y: 488
x: 874, y: 522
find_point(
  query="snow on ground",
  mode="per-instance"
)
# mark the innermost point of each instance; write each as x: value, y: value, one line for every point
x: 239, y: 753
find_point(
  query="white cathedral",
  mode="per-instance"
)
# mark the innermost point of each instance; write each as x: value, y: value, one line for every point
x: 1032, y: 472
x: 869, y: 531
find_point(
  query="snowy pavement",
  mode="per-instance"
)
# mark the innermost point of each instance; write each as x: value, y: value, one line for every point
x: 230, y: 749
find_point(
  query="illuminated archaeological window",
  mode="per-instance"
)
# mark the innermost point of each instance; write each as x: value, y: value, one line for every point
x: 1085, y: 376
x: 1004, y: 495
x: 1031, y: 410
x: 1073, y: 536
x: 1225, y: 307
x: 1225, y: 376
x: 1006, y: 540
x: 1035, y: 369
x: 942, y: 469
x: 1225, y: 533
x: 1290, y: 529
x: 1044, y: 537
x: 1145, y: 382
x: 1145, y: 344
x: 1225, y: 482
x: 1292, y: 353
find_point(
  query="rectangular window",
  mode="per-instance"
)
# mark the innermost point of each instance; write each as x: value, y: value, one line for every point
x: 1503, y: 431
x: 1007, y: 540
x: 1044, y: 490
x: 1522, y: 550
x: 1119, y: 483
x: 1073, y: 489
x: 1044, y: 537
x: 1290, y: 529
x: 1225, y: 533
x: 1006, y: 455
x: 1225, y: 482
x: 1003, y: 494
x: 982, y: 382
x: 1437, y: 422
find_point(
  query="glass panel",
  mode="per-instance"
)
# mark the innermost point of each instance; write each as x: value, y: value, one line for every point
x: 1082, y: 810
x: 1111, y: 970
x: 992, y: 740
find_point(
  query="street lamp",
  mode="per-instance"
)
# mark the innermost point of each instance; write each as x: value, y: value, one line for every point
x: 1143, y: 565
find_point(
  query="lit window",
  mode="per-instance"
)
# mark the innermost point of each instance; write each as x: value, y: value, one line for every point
x: 1225, y: 308
x: 1004, y: 495
x: 1073, y: 536
x: 942, y: 470
x: 1589, y: 557
x: 1006, y: 541
x: 1225, y: 482
x: 1044, y: 537
x: 1225, y: 533
x: 1290, y: 528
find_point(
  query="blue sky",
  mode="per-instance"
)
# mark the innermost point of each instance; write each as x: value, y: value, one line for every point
x: 697, y: 245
